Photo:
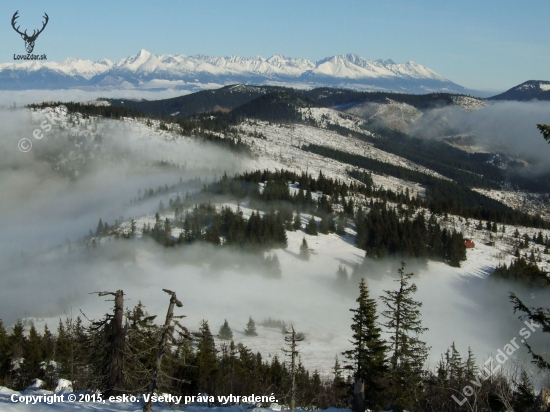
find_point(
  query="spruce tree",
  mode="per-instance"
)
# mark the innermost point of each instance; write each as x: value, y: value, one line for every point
x: 304, y: 250
x: 325, y: 225
x: 273, y: 266
x: 99, y: 229
x: 523, y: 396
x: 367, y: 359
x: 540, y: 317
x: 311, y: 227
x: 407, y: 352
x: 207, y: 363
x: 5, y: 352
x: 250, y: 328
x: 133, y: 228
x: 297, y: 223
x: 225, y: 331
x: 33, y: 353
x: 168, y: 233
x: 141, y: 347
x: 340, y: 224
x: 18, y: 342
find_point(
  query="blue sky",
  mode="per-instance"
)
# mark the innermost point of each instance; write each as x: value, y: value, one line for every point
x: 483, y: 44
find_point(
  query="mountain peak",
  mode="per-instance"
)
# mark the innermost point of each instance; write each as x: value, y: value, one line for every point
x: 529, y: 90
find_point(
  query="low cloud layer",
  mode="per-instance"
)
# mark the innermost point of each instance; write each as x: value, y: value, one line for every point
x: 508, y: 127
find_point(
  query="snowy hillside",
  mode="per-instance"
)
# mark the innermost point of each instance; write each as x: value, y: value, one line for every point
x: 529, y: 90
x: 460, y: 304
x: 147, y: 71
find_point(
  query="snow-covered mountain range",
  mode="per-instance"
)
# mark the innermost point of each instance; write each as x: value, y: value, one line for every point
x: 147, y: 71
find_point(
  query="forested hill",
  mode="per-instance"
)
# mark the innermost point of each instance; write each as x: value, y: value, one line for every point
x: 277, y: 106
x: 226, y: 98
x: 530, y: 90
x: 341, y: 97
x: 230, y: 97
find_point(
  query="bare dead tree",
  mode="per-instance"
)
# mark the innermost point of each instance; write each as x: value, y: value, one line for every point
x: 115, y: 340
x: 292, y: 341
x: 166, y: 332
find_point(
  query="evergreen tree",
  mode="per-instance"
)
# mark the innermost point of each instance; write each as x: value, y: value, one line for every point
x: 311, y: 227
x: 168, y: 233
x: 48, y: 352
x: 141, y: 347
x: 99, y: 229
x: 523, y: 396
x: 541, y: 317
x: 207, y: 364
x: 368, y: 356
x: 5, y: 352
x: 407, y: 352
x: 326, y: 224
x: 340, y: 224
x: 273, y: 266
x: 33, y: 353
x: 225, y: 331
x: 250, y: 328
x: 297, y: 223
x: 304, y: 250
x: 133, y: 228
x: 18, y: 343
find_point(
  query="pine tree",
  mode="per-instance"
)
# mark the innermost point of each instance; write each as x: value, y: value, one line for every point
x: 523, y: 396
x: 99, y: 229
x: 407, y: 352
x: 311, y: 227
x: 273, y: 266
x: 168, y: 233
x: 297, y: 223
x: 539, y: 316
x: 326, y: 224
x: 141, y: 347
x: 340, y: 224
x: 207, y: 363
x: 133, y: 228
x: 33, y: 353
x: 48, y: 351
x: 368, y: 356
x: 5, y: 352
x: 18, y: 343
x: 250, y: 328
x: 338, y: 385
x: 225, y: 331
x: 304, y: 250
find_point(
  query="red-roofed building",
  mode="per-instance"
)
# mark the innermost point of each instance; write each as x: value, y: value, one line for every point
x: 469, y: 244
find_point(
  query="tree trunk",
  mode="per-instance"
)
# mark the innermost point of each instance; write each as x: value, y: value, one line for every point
x: 162, y: 347
x: 358, y: 404
x: 115, y: 379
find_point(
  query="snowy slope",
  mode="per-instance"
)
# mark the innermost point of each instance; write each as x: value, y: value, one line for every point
x: 458, y: 303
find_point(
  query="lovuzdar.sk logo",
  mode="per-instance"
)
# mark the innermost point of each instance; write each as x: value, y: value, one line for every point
x: 29, y: 40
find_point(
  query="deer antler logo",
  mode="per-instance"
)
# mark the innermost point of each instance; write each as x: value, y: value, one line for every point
x: 29, y: 40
